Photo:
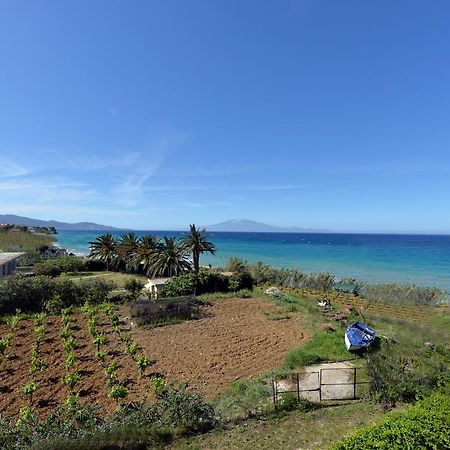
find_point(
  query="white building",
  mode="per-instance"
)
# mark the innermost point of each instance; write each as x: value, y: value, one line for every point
x: 155, y: 284
x: 8, y: 263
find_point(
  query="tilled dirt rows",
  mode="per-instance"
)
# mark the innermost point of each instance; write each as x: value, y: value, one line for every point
x: 234, y: 339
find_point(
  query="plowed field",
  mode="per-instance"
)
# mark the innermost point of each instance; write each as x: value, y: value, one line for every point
x: 235, y: 338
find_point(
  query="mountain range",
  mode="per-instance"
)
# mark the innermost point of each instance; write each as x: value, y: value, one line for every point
x: 250, y: 226
x: 27, y: 221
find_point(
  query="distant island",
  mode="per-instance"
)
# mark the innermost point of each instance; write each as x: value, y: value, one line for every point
x: 29, y: 222
x: 250, y: 226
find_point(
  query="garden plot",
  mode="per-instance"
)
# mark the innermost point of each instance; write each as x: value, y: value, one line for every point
x: 234, y: 339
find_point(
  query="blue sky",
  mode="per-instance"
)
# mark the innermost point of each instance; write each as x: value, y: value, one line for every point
x: 155, y: 114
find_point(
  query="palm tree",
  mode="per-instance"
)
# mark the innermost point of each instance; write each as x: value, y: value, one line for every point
x: 126, y: 247
x: 146, y: 252
x: 197, y: 244
x: 104, y: 248
x: 171, y: 259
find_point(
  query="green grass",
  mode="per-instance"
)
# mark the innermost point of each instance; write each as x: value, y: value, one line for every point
x: 21, y: 241
x: 316, y: 429
x: 117, y: 277
x: 323, y: 346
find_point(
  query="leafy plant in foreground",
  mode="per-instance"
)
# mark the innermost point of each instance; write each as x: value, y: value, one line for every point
x: 142, y: 363
x: 118, y: 392
x: 29, y: 389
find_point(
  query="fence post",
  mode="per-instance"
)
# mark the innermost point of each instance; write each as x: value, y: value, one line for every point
x: 298, y: 388
x: 320, y: 385
x: 273, y: 393
x: 354, y: 383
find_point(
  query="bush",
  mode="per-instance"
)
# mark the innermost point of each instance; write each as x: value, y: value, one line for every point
x: 161, y: 310
x: 241, y: 280
x: 70, y: 263
x: 47, y: 268
x: 120, y: 297
x: 191, y: 283
x: 405, y: 372
x: 32, y: 257
x: 25, y: 293
x: 94, y: 265
x: 134, y: 287
x: 33, y: 294
x: 184, y: 411
x: 237, y: 265
x: 96, y: 290
x: 425, y: 425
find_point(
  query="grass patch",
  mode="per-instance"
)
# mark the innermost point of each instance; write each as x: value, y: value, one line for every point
x: 316, y: 429
x: 21, y: 241
x: 117, y: 277
x: 323, y: 346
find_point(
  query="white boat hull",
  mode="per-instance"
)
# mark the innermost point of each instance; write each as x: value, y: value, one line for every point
x: 350, y: 347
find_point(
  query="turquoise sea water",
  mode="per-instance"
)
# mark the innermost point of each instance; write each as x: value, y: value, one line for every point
x: 419, y: 259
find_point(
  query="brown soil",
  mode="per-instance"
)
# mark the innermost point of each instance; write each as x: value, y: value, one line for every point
x: 235, y: 338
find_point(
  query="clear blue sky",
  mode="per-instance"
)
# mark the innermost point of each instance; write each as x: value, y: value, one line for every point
x: 154, y: 114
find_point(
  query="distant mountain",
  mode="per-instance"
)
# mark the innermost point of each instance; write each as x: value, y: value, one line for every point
x: 84, y: 226
x: 257, y: 227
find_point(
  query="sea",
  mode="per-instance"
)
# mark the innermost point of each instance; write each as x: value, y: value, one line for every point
x: 423, y: 260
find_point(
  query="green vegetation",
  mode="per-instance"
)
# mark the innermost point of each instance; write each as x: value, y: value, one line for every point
x: 197, y: 243
x: 264, y: 274
x: 21, y: 241
x: 404, y: 295
x: 32, y: 294
x: 151, y: 255
x: 323, y: 346
x: 425, y: 425
x: 205, y: 282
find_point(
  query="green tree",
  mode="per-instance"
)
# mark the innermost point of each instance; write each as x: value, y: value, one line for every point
x: 104, y: 247
x: 126, y: 249
x: 146, y: 252
x: 172, y: 259
x: 197, y: 243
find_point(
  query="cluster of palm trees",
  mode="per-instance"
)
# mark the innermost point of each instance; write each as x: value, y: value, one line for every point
x: 151, y: 255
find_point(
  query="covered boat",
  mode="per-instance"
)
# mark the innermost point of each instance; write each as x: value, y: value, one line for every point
x: 358, y: 335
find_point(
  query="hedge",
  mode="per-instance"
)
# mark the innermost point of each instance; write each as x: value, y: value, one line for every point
x: 425, y: 425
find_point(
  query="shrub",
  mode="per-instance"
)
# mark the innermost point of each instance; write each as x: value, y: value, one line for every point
x: 70, y: 263
x: 134, y: 287
x: 206, y: 282
x: 425, y: 425
x: 47, y: 268
x: 165, y: 309
x: 241, y: 280
x: 54, y: 305
x: 25, y: 293
x: 184, y: 411
x: 96, y: 290
x: 32, y: 257
x: 94, y: 265
x: 405, y: 372
x: 238, y: 265
x: 120, y: 297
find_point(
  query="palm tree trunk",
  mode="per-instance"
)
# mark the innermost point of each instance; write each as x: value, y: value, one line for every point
x: 196, y: 258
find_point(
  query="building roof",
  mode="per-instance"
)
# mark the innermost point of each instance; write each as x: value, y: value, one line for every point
x: 9, y: 256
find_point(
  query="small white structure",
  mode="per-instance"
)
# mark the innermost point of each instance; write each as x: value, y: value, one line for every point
x: 8, y: 263
x: 155, y: 284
